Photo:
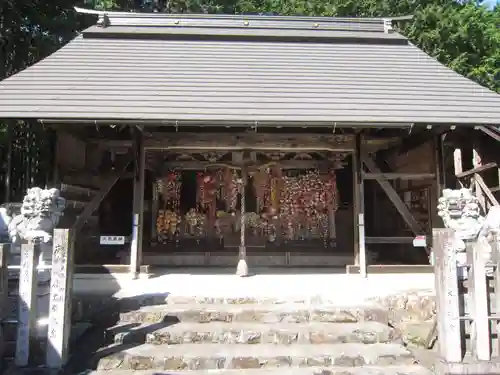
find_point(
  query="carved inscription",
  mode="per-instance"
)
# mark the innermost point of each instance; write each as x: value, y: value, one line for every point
x: 60, y: 299
x: 27, y: 302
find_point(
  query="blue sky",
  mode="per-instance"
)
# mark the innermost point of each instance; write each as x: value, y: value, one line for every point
x: 490, y: 3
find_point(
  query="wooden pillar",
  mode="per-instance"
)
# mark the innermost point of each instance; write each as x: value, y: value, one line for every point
x: 8, y: 164
x: 61, y: 284
x: 439, y: 182
x: 138, y: 203
x: 154, y: 213
x: 358, y: 208
x: 242, y: 268
x: 447, y: 298
x: 439, y: 162
x: 27, y: 302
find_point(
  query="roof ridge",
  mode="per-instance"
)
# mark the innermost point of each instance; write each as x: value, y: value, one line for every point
x: 136, y: 19
x: 144, y: 15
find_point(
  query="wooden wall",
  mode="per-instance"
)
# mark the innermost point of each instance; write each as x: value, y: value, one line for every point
x: 419, y: 195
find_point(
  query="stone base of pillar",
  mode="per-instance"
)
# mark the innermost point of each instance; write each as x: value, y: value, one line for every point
x: 468, y: 366
x: 242, y: 268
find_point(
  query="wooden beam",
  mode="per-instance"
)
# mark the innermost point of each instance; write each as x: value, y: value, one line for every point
x: 478, y: 169
x: 99, y: 197
x: 479, y: 180
x: 389, y: 240
x: 238, y: 142
x: 399, y: 176
x: 492, y: 133
x: 285, y: 164
x: 392, y: 269
x: 394, y: 197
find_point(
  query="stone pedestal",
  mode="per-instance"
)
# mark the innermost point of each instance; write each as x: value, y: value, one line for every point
x: 467, y: 367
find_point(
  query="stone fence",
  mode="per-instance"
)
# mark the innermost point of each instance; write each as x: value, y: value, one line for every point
x: 468, y: 324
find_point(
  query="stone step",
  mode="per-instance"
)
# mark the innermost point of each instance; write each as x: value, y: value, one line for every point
x: 362, y: 370
x: 255, y: 333
x: 222, y: 356
x: 279, y: 313
x: 215, y: 300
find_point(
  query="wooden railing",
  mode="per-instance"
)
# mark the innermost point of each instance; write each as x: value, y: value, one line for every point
x: 467, y: 318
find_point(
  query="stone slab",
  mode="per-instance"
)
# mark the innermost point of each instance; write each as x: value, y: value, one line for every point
x: 255, y: 333
x: 221, y: 356
x: 272, y: 314
x: 362, y: 370
x: 468, y: 367
x: 214, y: 300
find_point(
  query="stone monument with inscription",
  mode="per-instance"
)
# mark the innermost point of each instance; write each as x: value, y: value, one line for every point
x: 32, y: 230
x: 465, y: 245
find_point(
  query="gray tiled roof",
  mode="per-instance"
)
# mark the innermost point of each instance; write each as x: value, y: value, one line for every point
x: 275, y: 70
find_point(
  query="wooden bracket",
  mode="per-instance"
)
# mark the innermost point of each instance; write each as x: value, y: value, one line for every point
x: 393, y: 195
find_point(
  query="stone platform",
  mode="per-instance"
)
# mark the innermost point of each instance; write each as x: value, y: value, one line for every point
x: 192, y: 333
x: 228, y: 259
x: 193, y: 320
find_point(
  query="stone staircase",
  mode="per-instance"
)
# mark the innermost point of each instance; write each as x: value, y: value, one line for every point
x: 194, y: 335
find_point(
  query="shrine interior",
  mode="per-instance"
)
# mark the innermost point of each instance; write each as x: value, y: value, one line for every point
x: 299, y: 202
x: 295, y: 204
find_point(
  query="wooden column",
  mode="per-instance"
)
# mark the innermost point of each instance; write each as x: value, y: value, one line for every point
x: 154, y: 213
x: 8, y: 164
x: 447, y: 298
x: 61, y: 284
x: 27, y: 302
x: 138, y: 203
x: 242, y: 268
x: 358, y: 209
x: 439, y: 162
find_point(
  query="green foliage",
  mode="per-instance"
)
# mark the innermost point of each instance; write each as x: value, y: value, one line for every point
x: 464, y: 37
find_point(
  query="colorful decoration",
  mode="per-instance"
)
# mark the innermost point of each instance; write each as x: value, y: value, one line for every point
x: 167, y: 225
x: 195, y: 223
x: 169, y: 188
x: 305, y: 202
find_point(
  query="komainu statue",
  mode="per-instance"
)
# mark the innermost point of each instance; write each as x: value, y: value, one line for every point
x: 460, y: 211
x: 40, y: 213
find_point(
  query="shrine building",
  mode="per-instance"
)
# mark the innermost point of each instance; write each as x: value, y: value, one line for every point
x: 211, y: 140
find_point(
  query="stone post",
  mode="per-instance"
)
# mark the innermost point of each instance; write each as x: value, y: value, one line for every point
x: 4, y: 279
x: 4, y: 291
x: 447, y: 298
x: 61, y: 283
x: 26, y: 328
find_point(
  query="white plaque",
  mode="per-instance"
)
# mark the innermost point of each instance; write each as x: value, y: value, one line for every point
x: 420, y: 241
x: 112, y: 240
